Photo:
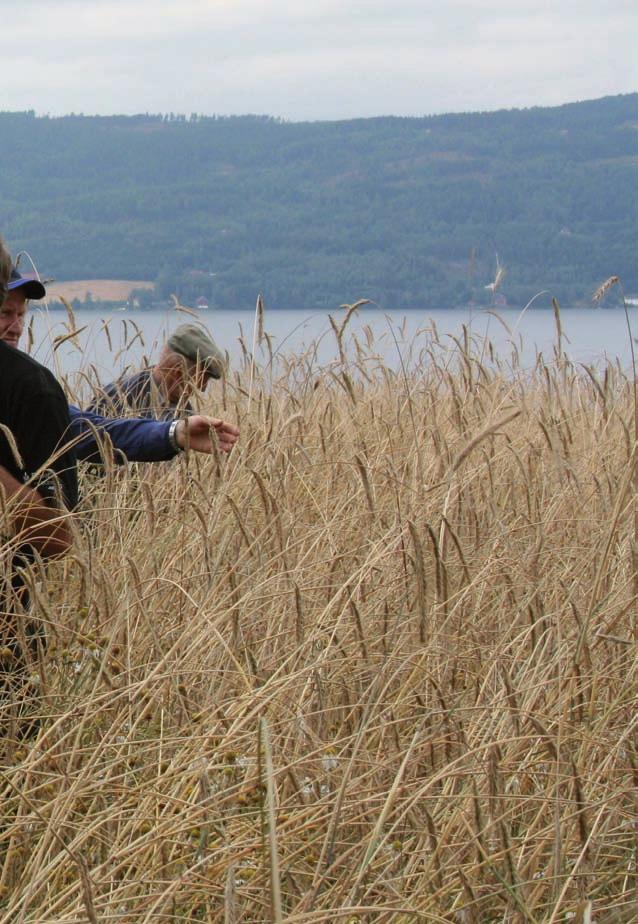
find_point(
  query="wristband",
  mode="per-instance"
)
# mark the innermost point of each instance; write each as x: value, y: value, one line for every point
x: 172, y: 436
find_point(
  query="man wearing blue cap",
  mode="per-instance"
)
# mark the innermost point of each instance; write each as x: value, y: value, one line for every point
x: 35, y: 412
x: 38, y: 481
x: 137, y: 440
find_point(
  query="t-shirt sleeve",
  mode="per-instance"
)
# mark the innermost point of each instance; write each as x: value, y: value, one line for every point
x: 44, y: 442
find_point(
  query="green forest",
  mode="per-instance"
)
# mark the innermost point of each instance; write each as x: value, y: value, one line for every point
x: 406, y: 212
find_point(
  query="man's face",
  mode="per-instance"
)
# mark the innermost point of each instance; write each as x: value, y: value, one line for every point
x: 186, y: 375
x: 12, y: 317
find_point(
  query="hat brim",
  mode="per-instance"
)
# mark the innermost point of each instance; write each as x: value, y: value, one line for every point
x: 213, y: 367
x: 32, y: 287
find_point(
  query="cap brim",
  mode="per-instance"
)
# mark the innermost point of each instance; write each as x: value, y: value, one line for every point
x: 32, y: 287
x: 213, y: 366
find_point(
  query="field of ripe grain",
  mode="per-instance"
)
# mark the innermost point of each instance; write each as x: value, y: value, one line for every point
x: 380, y: 665
x: 112, y: 290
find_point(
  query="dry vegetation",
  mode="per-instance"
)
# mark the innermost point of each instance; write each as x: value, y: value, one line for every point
x: 99, y: 289
x: 378, y: 666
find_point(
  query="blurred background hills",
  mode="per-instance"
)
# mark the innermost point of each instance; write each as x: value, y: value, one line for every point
x: 408, y: 212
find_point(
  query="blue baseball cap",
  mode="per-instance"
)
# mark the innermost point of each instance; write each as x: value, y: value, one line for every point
x: 31, y: 285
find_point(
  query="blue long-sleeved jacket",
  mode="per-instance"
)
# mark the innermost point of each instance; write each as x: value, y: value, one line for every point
x: 139, y: 439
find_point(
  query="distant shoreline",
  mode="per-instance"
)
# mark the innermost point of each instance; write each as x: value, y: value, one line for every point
x: 107, y: 304
x: 107, y: 290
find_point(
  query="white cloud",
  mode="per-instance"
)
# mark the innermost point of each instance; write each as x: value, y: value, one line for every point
x: 326, y: 59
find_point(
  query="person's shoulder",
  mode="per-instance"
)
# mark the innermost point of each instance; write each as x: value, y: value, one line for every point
x: 126, y: 382
x: 135, y: 379
x: 20, y: 368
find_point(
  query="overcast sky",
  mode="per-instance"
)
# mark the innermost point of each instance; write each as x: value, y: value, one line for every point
x: 316, y: 59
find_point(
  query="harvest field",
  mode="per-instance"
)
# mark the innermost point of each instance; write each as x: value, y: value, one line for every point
x: 380, y: 665
x: 111, y: 290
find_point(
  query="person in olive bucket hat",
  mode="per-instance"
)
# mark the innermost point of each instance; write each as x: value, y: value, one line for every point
x: 189, y: 360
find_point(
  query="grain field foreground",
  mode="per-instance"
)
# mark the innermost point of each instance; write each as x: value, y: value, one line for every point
x: 377, y: 666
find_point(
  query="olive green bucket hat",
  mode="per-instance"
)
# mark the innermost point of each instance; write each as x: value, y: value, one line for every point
x: 195, y: 344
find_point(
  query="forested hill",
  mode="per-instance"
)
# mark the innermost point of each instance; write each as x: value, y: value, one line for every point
x: 407, y: 212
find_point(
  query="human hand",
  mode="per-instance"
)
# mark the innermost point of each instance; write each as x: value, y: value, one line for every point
x: 196, y: 433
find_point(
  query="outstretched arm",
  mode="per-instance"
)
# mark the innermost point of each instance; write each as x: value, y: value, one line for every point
x: 140, y: 439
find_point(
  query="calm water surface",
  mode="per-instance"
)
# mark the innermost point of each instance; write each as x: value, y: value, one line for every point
x: 110, y: 342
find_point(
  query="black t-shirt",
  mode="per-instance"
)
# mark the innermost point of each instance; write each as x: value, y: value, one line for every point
x: 35, y: 410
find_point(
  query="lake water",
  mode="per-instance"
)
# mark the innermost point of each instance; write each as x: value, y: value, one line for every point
x: 109, y: 342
